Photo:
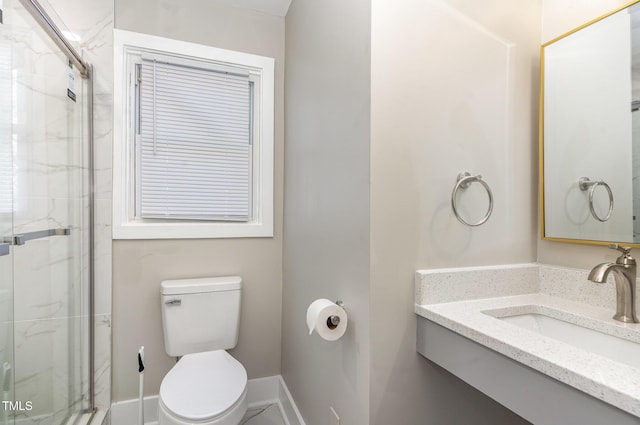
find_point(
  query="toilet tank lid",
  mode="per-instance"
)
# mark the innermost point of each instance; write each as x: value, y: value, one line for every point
x: 203, y: 284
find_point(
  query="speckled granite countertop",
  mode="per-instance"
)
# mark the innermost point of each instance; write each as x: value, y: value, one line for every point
x: 477, y: 319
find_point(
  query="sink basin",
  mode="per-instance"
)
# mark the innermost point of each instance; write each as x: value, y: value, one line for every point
x: 606, y: 345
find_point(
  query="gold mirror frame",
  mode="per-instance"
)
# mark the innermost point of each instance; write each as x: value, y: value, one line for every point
x: 541, y: 138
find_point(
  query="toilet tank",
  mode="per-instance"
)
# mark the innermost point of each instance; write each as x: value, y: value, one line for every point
x: 200, y: 314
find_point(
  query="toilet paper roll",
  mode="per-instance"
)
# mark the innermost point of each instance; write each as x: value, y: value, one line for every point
x: 319, y: 317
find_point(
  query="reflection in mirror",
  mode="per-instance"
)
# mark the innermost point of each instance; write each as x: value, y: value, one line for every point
x: 590, y: 132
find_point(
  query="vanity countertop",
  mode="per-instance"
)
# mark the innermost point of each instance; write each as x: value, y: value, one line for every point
x: 615, y: 383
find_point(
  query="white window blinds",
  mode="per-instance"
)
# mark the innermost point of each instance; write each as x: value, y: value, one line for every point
x: 195, y: 129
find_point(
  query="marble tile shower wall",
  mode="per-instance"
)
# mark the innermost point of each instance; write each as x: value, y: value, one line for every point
x: 48, y: 193
x: 93, y: 21
x: 6, y: 179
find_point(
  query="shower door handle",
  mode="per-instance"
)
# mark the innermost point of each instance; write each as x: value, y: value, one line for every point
x: 23, y: 238
x: 4, y: 249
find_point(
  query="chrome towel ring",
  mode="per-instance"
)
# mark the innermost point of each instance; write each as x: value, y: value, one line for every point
x: 463, y: 182
x: 584, y: 183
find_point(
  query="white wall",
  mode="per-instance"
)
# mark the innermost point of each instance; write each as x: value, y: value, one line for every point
x: 326, y: 238
x: 140, y: 266
x: 454, y: 88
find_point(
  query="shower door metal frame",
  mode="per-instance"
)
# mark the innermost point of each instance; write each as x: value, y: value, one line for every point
x: 86, y: 71
x: 47, y: 24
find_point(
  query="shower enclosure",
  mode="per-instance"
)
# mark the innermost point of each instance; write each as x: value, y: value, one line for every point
x: 45, y: 221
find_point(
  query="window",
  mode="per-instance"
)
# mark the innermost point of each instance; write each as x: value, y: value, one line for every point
x: 193, y: 132
x: 193, y: 140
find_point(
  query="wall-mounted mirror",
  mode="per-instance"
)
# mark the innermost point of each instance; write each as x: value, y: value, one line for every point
x: 590, y: 131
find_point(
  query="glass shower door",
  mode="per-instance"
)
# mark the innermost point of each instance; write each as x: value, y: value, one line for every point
x: 6, y: 228
x: 49, y: 215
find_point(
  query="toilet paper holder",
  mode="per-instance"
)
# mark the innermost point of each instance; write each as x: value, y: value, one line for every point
x: 334, y: 320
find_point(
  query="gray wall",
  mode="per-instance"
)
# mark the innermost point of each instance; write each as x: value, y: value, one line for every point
x: 346, y: 237
x: 333, y: 232
x: 454, y: 88
x: 139, y: 266
x: 326, y: 239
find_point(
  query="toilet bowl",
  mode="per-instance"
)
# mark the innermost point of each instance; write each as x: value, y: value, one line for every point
x: 208, y: 388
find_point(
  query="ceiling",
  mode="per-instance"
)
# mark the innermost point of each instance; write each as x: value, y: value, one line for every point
x: 272, y: 7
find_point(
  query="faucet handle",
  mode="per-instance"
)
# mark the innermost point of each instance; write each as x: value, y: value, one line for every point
x: 626, y: 250
x: 626, y: 257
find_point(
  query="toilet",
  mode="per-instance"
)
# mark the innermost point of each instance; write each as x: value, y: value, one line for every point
x: 200, y: 320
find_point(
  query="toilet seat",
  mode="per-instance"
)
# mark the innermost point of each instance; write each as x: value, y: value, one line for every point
x: 202, y: 387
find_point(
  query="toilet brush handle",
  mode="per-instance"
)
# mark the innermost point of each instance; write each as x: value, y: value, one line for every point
x: 141, y: 386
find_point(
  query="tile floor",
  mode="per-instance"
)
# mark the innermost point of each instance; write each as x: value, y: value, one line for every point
x: 265, y: 415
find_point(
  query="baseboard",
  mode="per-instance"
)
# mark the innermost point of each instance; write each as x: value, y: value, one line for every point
x: 287, y: 405
x: 96, y: 418
x: 126, y: 412
x: 261, y: 392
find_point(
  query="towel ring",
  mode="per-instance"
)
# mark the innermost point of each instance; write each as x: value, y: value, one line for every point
x: 584, y: 183
x: 464, y: 181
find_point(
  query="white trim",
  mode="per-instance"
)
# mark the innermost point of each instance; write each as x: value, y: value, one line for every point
x: 288, y: 406
x: 126, y: 412
x: 97, y: 418
x: 123, y: 226
x: 261, y: 392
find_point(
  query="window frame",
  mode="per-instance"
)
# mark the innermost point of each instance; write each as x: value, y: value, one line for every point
x: 125, y: 225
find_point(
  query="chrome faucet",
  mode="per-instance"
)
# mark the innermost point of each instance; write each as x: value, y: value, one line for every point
x: 624, y: 271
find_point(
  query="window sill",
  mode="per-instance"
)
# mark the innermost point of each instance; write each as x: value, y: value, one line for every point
x: 191, y: 230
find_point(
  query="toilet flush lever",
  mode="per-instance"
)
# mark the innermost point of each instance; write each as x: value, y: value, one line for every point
x: 175, y: 302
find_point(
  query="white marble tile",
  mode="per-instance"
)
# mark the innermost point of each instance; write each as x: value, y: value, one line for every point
x: 102, y: 375
x: 49, y: 367
x: 49, y: 170
x: 103, y: 136
x: 33, y: 367
x: 267, y: 415
x: 33, y: 48
x: 103, y: 255
x: 93, y: 21
x: 49, y: 272
x: 6, y: 347
x: 30, y: 214
x: 29, y: 137
x: 32, y: 287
